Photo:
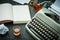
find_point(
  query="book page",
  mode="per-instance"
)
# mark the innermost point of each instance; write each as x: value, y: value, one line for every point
x: 22, y: 1
x: 21, y: 14
x: 6, y: 12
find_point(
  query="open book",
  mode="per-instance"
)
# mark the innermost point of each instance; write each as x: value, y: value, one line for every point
x: 17, y: 13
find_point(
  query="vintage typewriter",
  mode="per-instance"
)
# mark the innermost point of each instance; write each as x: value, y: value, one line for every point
x: 45, y: 25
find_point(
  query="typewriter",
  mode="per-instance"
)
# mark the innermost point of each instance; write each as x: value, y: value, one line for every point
x: 45, y: 25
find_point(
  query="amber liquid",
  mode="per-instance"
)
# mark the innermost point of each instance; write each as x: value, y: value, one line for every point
x: 16, y: 31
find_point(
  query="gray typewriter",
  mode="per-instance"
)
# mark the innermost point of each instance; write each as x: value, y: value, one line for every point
x: 45, y: 25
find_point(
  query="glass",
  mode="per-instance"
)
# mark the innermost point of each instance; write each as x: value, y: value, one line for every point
x: 16, y: 30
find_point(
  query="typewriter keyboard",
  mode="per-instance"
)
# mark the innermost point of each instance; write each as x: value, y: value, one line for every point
x: 42, y: 31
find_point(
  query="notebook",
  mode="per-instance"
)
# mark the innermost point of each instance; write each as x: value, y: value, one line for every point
x: 17, y: 13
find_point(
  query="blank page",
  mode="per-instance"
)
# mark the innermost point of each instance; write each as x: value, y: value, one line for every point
x: 56, y: 7
x: 22, y: 1
x: 5, y: 11
x: 21, y: 14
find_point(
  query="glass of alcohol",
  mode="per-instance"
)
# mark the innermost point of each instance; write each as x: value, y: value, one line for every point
x: 16, y: 30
